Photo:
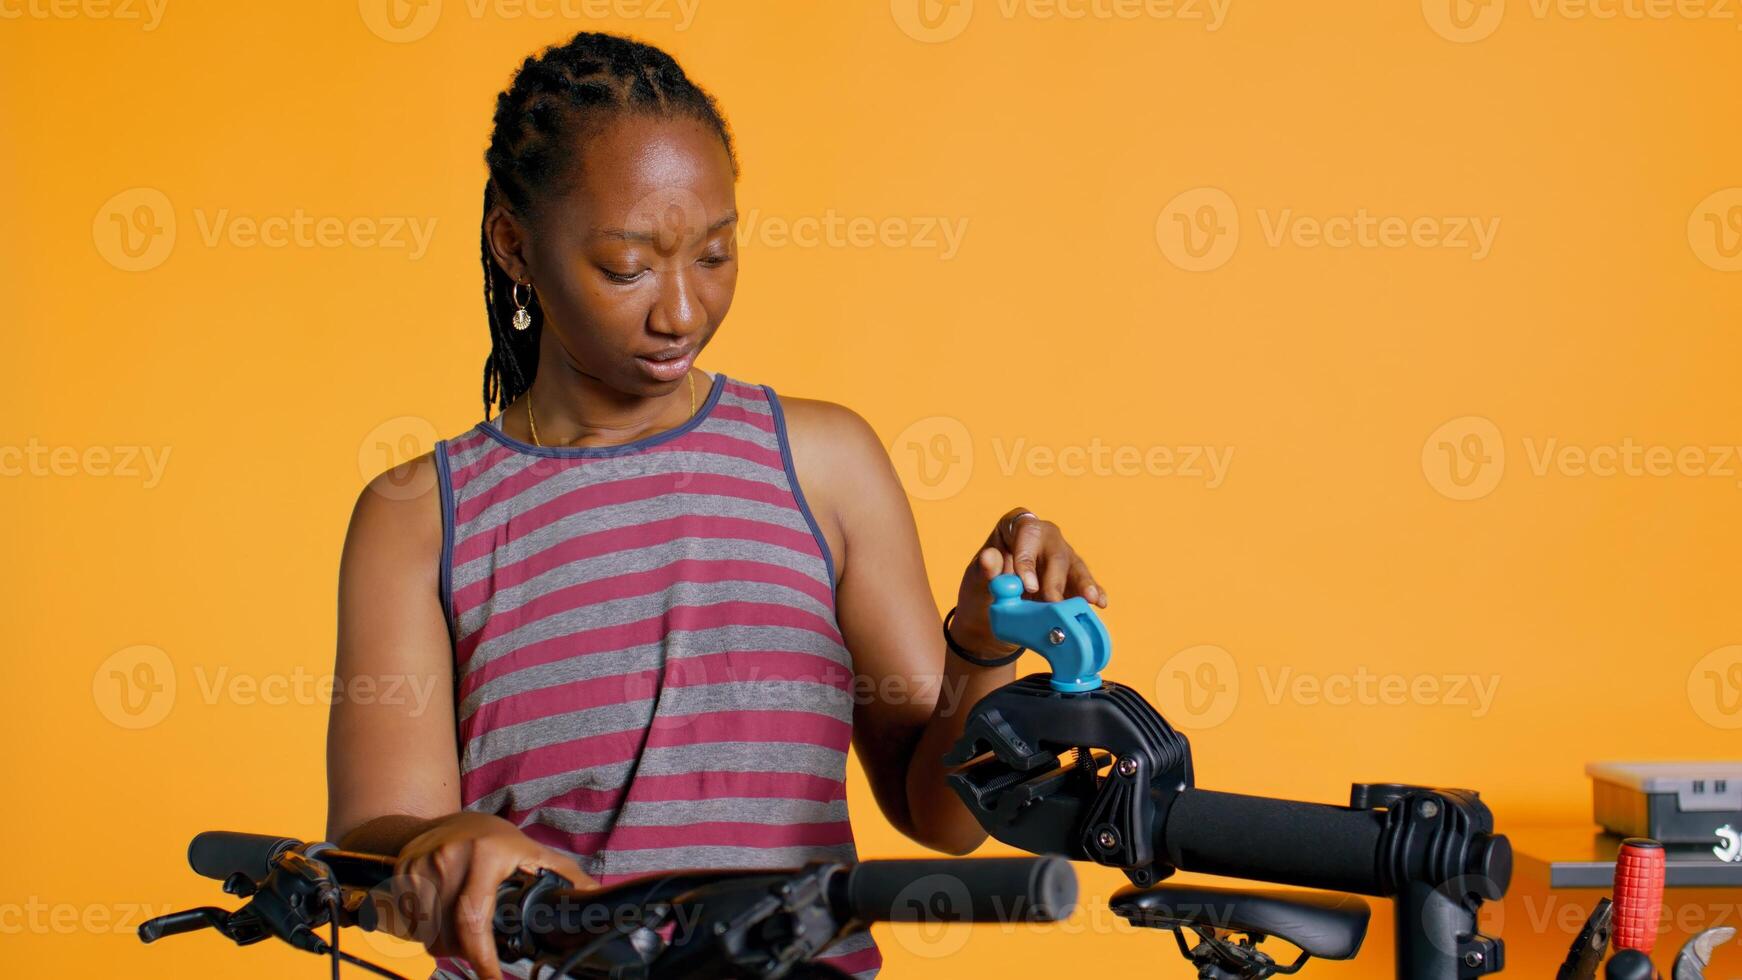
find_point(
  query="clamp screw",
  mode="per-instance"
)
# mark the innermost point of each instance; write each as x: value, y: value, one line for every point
x: 1472, y: 958
x: 1055, y: 636
x: 1428, y: 809
x: 1107, y: 839
x: 1127, y: 767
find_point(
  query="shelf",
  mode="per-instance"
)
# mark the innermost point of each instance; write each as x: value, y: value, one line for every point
x: 1584, y: 857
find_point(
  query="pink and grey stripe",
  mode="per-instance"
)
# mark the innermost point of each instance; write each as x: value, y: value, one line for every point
x: 650, y: 674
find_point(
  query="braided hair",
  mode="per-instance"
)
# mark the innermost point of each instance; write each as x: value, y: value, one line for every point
x: 556, y: 100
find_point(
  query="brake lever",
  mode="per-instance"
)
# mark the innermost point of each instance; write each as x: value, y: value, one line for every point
x: 190, y: 920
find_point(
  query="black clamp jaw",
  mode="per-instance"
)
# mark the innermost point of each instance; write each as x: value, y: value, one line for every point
x: 1105, y: 806
x: 760, y: 926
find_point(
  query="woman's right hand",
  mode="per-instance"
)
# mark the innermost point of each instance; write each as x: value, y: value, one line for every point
x: 444, y: 887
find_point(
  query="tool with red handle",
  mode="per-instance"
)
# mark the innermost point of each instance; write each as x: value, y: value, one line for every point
x: 1639, y: 867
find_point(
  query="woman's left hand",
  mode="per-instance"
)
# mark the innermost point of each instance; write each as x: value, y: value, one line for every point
x: 1032, y: 548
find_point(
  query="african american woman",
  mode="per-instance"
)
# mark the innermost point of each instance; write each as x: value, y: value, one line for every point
x: 661, y: 602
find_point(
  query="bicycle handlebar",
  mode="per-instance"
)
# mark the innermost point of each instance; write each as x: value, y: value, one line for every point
x: 979, y: 889
x: 1312, y: 845
x: 541, y: 917
x: 218, y: 854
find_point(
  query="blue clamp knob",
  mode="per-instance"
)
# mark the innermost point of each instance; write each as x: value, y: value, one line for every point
x: 1068, y: 634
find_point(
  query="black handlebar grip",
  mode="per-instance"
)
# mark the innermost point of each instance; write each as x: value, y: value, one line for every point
x: 221, y: 853
x: 1314, y: 845
x: 963, y: 890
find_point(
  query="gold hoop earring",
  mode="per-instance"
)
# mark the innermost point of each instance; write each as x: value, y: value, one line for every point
x: 522, y: 318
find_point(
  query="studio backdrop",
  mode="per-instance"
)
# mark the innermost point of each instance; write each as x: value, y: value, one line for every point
x: 1381, y: 357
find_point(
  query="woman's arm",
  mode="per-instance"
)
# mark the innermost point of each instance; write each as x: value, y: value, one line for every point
x: 393, y: 776
x: 392, y: 764
x: 912, y: 696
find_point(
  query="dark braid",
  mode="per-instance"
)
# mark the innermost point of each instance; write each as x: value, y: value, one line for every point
x: 555, y: 101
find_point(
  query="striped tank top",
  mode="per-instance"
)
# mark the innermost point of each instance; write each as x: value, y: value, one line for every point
x: 649, y: 672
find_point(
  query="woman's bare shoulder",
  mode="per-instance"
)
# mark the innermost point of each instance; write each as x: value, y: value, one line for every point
x: 397, y: 519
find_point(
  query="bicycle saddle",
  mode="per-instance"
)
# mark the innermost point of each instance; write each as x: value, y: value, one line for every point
x: 1329, y: 925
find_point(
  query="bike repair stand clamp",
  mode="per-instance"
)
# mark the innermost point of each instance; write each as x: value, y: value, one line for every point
x: 1435, y: 852
x: 1016, y: 786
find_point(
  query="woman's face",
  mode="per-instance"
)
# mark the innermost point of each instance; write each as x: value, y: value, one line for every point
x: 635, y: 265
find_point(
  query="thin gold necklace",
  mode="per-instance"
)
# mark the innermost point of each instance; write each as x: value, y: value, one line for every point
x: 532, y: 423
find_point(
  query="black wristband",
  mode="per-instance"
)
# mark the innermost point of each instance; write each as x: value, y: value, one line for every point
x: 961, y: 651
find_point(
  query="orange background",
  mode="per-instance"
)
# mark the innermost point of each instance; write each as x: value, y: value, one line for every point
x: 1363, y: 390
